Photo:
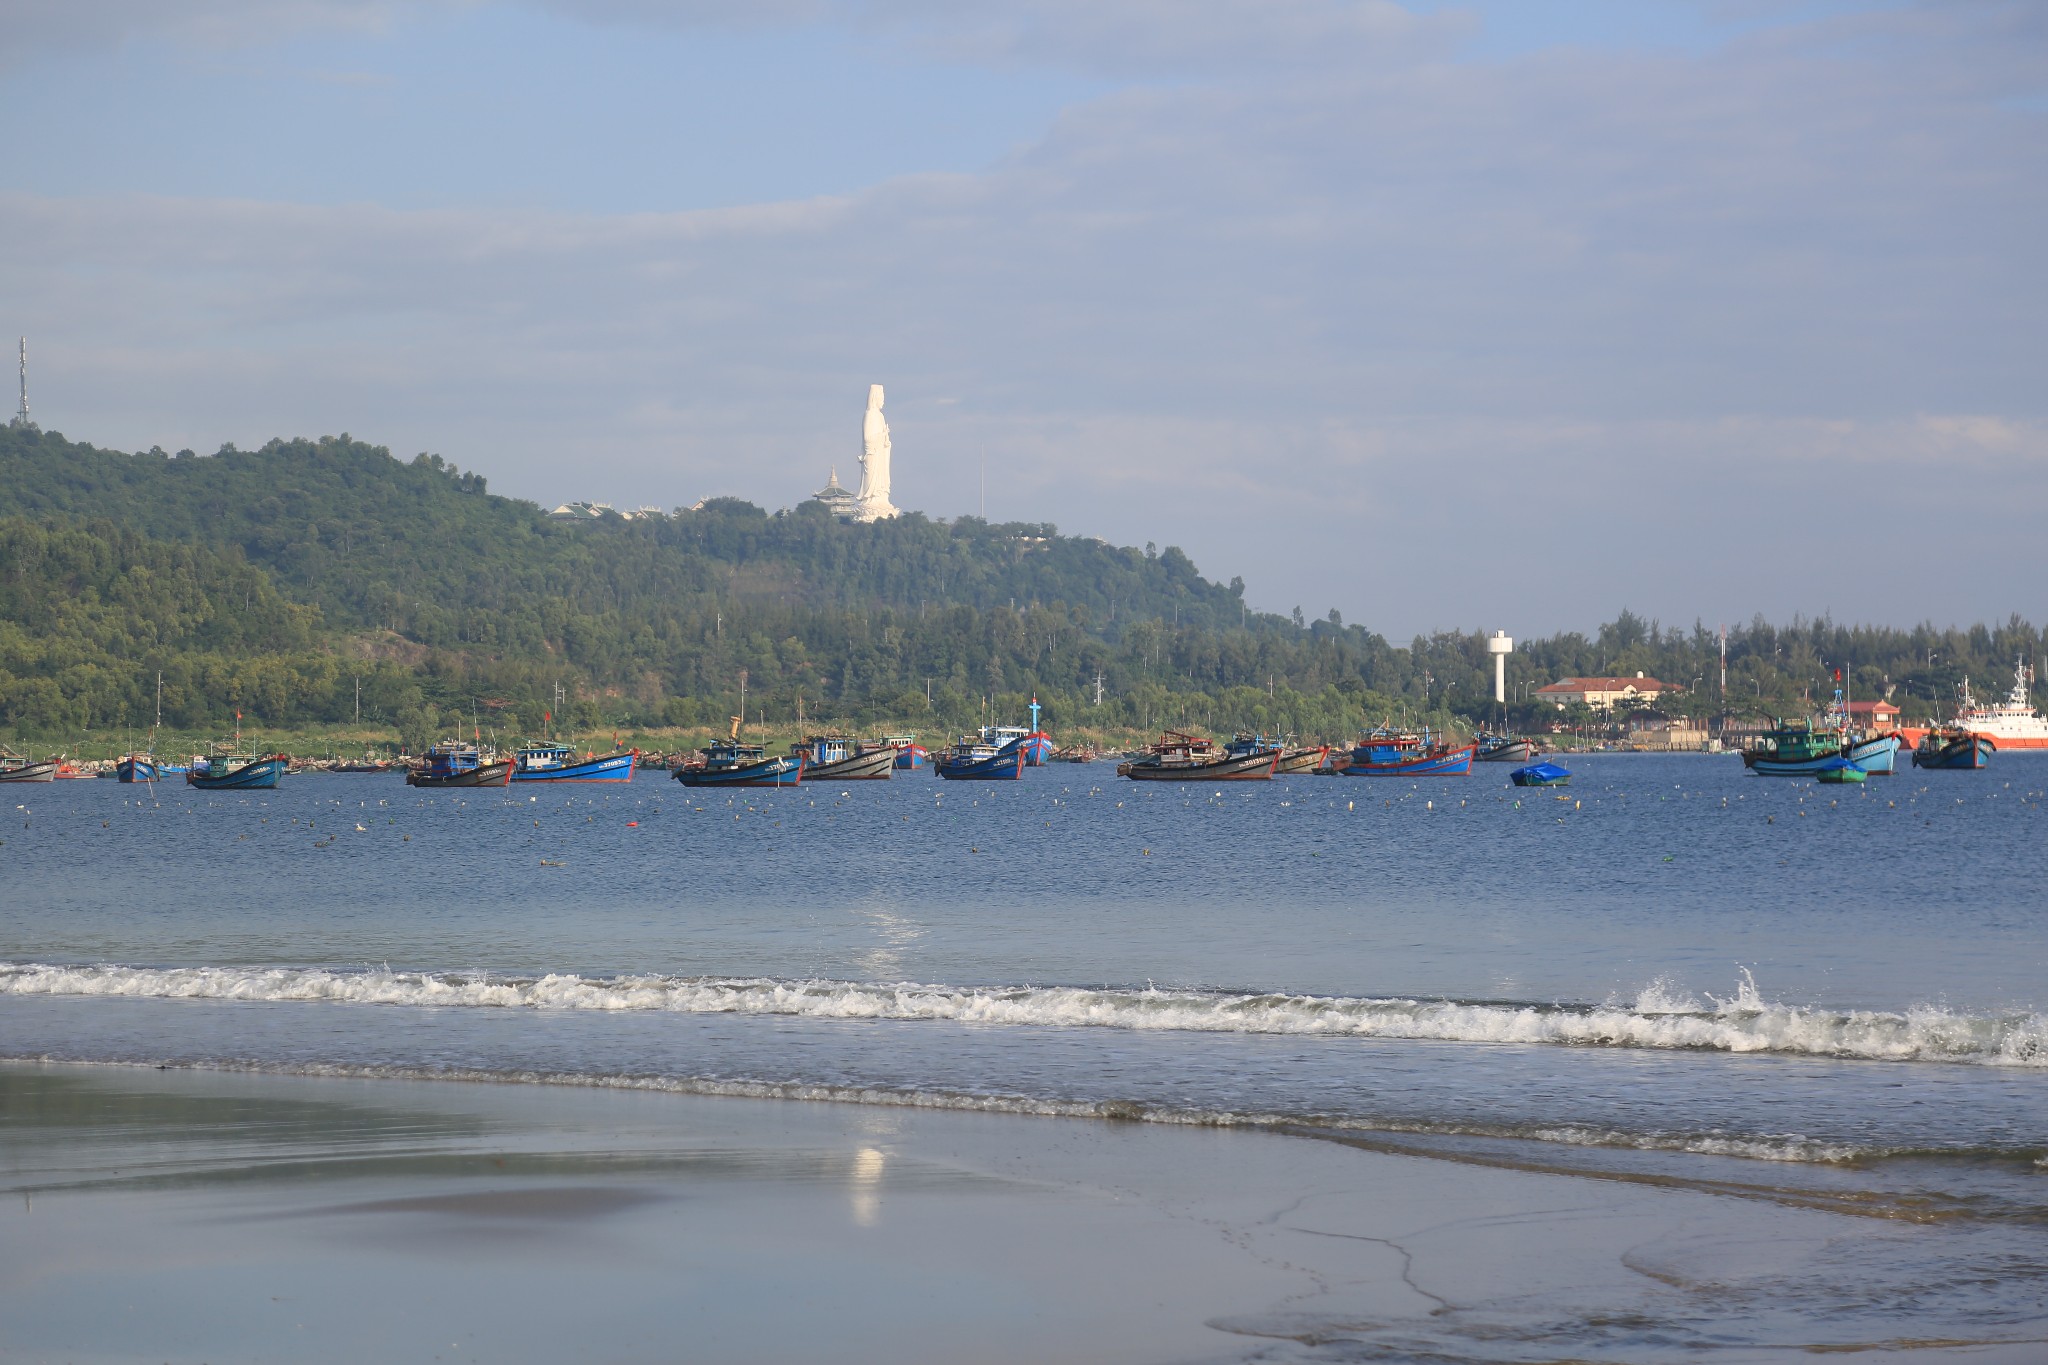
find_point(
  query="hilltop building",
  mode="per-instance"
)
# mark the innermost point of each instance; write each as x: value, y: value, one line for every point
x: 598, y: 511
x: 871, y: 501
x: 1603, y: 694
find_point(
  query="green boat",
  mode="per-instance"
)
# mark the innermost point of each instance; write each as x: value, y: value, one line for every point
x: 1839, y: 771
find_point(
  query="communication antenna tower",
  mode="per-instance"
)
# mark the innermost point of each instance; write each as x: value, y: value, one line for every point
x: 21, y: 418
x: 1724, y: 661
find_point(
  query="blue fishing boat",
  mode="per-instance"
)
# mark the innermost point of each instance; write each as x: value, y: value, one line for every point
x: 236, y: 772
x: 973, y: 760
x: 1541, y: 775
x: 558, y: 763
x: 137, y: 768
x: 910, y: 755
x: 1036, y: 743
x: 455, y: 764
x: 729, y: 763
x: 1393, y: 753
x: 1877, y: 754
x: 1952, y: 748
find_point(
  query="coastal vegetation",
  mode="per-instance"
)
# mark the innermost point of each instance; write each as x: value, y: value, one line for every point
x: 323, y: 584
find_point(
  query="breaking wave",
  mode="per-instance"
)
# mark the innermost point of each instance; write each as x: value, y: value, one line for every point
x: 1657, y: 1018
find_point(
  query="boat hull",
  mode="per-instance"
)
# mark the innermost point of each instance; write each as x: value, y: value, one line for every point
x: 497, y: 774
x: 1879, y: 755
x: 135, y: 770
x: 1444, y: 763
x: 1257, y: 767
x: 780, y: 771
x: 874, y: 766
x: 1963, y: 754
x: 1841, y: 771
x: 1007, y: 766
x: 603, y: 768
x: 1765, y: 766
x: 30, y: 772
x: 911, y: 757
x: 1300, y: 761
x: 259, y: 775
x: 1508, y: 751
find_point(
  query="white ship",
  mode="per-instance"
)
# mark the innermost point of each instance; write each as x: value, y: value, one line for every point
x: 2009, y: 724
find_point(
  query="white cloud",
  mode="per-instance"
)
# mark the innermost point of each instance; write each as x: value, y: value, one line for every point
x: 1343, y: 331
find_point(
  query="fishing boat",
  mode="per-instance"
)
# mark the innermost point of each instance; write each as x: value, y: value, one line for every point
x: 1074, y: 753
x: 838, y: 758
x: 729, y: 763
x: 453, y: 763
x: 545, y: 762
x: 2009, y: 724
x: 236, y: 771
x: 1952, y: 747
x: 1036, y: 743
x: 973, y: 759
x: 1504, y: 749
x: 1182, y: 757
x: 910, y: 755
x: 1877, y: 754
x: 1396, y: 753
x: 16, y: 768
x: 1794, y: 750
x: 1839, y: 770
x: 362, y: 765
x: 1541, y: 775
x: 145, y: 766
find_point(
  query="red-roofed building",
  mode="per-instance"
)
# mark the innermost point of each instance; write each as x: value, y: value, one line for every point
x: 1602, y: 694
x: 1874, y: 716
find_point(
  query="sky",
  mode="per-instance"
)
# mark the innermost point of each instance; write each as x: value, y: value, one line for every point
x: 1465, y: 315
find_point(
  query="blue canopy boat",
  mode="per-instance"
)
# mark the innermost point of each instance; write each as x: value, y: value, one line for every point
x: 1388, y: 753
x: 236, y: 772
x: 973, y: 760
x: 558, y: 763
x: 1540, y: 775
x: 1839, y: 770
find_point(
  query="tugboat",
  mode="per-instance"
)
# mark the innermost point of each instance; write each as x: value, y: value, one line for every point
x: 973, y: 759
x: 1392, y: 753
x: 1540, y: 775
x: 1182, y: 757
x: 546, y: 762
x: 837, y: 758
x: 910, y: 755
x: 1952, y: 747
x: 15, y: 768
x: 1503, y: 749
x: 453, y: 763
x: 729, y: 763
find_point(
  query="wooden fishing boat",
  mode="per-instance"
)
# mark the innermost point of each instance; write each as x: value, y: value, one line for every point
x: 910, y: 755
x: 236, y: 772
x: 16, y: 768
x: 1504, y: 749
x: 974, y: 760
x: 1392, y: 753
x: 1183, y: 757
x: 839, y: 758
x: 1952, y: 747
x: 546, y: 762
x: 455, y: 764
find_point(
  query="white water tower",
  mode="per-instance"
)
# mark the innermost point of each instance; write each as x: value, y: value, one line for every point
x: 1500, y: 646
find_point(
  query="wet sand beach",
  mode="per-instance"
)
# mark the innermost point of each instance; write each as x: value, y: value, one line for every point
x: 192, y: 1215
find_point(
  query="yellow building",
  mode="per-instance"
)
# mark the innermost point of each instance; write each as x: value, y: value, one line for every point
x: 1603, y: 694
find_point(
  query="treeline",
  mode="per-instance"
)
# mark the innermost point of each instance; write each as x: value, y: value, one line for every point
x: 319, y: 581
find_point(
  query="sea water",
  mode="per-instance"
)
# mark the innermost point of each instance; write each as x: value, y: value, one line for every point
x: 1670, y: 969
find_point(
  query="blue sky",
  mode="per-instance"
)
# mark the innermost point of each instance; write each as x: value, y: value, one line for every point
x: 1355, y: 299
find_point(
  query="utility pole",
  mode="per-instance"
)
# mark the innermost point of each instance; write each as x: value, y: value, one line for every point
x: 21, y: 418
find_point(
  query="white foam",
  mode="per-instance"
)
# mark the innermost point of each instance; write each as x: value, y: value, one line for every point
x: 1658, y: 1019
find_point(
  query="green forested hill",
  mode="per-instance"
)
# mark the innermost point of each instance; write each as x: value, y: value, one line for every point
x: 308, y: 578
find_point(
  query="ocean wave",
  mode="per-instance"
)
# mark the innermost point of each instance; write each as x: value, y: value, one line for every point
x: 1758, y: 1147
x: 1658, y: 1018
